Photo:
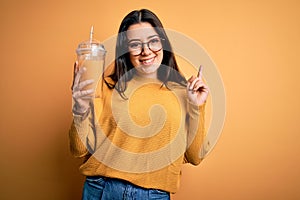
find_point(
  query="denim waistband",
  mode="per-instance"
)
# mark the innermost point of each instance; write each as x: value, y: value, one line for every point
x: 104, y: 188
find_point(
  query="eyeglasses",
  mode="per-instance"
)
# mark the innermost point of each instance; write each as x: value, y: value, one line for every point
x: 136, y: 47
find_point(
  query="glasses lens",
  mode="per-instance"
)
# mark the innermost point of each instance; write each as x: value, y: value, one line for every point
x: 135, y: 48
x: 155, y: 44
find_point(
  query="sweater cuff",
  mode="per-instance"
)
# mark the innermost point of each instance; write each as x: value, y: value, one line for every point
x: 77, y: 136
x: 81, y: 122
x: 194, y: 110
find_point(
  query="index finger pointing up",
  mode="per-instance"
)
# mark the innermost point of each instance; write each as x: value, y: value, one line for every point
x: 200, y: 72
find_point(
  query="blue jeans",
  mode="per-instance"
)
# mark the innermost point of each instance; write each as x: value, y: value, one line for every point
x: 102, y: 188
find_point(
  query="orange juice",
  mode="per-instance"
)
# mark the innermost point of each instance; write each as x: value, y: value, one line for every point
x: 91, y: 55
x: 94, y: 69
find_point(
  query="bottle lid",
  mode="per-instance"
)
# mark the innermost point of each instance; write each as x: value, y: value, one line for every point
x: 93, y: 45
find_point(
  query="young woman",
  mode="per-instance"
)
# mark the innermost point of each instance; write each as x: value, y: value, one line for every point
x: 146, y: 121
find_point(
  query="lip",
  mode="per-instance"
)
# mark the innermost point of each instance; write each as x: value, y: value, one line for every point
x: 147, y: 61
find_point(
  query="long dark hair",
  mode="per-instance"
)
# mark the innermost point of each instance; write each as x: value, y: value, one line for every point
x: 123, y: 68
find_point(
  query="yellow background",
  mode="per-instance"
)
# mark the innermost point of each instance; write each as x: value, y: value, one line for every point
x: 255, y: 45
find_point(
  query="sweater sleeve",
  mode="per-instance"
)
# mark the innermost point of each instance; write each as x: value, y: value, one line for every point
x: 196, y: 133
x: 82, y: 132
x: 78, y: 133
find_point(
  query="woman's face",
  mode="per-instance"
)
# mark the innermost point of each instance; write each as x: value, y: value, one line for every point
x: 145, y: 60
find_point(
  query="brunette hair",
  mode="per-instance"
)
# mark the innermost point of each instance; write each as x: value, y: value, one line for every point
x: 168, y: 70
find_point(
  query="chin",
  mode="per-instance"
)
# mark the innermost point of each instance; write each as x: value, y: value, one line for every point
x: 149, y: 69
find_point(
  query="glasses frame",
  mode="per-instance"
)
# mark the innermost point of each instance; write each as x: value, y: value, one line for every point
x: 148, y: 46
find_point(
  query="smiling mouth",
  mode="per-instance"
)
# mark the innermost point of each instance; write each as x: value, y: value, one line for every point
x: 149, y: 61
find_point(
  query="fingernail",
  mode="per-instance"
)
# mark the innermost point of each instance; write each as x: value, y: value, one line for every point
x: 90, y: 90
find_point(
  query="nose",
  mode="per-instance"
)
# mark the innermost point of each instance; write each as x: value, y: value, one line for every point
x: 145, y: 49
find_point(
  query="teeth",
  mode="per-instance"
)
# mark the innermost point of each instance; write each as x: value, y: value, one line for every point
x: 148, y: 61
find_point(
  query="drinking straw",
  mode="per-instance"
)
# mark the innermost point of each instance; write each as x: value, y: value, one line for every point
x: 91, y: 34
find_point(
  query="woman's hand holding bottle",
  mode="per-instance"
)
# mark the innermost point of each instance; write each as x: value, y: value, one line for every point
x: 81, y: 98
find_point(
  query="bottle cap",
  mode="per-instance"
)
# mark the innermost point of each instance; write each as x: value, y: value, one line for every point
x: 91, y: 46
x: 88, y: 46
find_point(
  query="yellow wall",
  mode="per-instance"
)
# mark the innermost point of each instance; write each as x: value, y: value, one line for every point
x: 255, y: 45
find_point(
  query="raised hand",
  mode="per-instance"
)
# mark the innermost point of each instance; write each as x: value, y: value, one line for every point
x: 197, y: 90
x: 82, y: 98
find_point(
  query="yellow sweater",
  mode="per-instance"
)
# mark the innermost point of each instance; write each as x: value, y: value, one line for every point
x: 144, y: 139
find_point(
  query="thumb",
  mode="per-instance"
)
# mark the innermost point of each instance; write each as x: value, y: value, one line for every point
x: 191, y: 79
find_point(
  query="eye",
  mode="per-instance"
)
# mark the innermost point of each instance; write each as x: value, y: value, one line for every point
x: 134, y: 45
x: 154, y: 41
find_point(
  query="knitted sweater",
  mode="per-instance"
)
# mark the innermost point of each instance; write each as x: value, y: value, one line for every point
x: 143, y: 139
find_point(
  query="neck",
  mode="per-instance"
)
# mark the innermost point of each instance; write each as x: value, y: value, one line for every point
x: 147, y: 76
x: 146, y: 79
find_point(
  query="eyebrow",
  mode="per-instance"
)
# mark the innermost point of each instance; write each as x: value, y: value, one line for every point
x: 152, y: 36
